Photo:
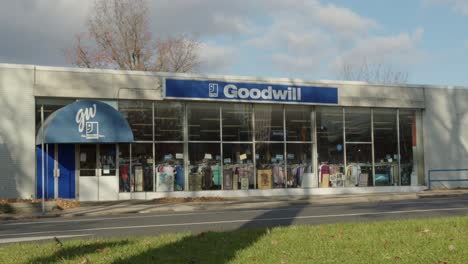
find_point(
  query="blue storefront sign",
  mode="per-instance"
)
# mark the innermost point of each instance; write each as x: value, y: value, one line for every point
x: 250, y: 92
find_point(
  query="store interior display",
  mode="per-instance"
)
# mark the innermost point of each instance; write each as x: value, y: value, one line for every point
x: 205, y: 175
x: 142, y: 168
x: 283, y: 138
x: 170, y: 175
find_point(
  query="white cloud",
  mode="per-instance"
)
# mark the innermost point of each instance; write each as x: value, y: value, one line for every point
x: 215, y: 58
x: 344, y: 21
x: 459, y: 6
x: 295, y: 35
x: 296, y: 64
x: 37, y: 32
x: 400, y: 50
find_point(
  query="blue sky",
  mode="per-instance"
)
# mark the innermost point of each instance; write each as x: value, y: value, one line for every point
x: 309, y: 39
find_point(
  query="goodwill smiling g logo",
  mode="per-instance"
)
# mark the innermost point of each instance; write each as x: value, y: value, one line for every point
x: 90, y: 128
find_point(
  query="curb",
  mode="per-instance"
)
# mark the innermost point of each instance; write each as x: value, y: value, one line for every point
x: 242, y: 205
x: 436, y: 195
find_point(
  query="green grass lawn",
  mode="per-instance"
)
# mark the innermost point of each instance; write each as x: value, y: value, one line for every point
x: 439, y: 240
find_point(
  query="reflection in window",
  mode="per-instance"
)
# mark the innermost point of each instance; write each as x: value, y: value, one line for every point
x: 298, y: 123
x: 170, y: 174
x: 107, y: 155
x: 142, y: 167
x: 270, y: 165
x: 330, y: 146
x: 299, y: 163
x: 124, y: 167
x: 237, y: 122
x: 50, y: 106
x: 238, y: 169
x: 269, y: 123
x: 386, y: 147
x: 139, y: 115
x: 203, y: 121
x: 205, y: 166
x: 408, y: 146
x: 359, y: 165
x: 168, y: 121
x: 88, y: 160
x: 358, y: 124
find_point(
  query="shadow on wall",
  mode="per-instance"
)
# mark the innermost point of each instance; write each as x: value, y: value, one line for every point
x: 7, y: 173
x: 446, y: 135
x: 17, y: 134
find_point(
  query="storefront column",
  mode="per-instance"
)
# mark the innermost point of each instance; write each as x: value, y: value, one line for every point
x: 186, y: 156
x: 373, y: 151
x: 313, y: 176
x: 254, y: 151
x: 418, y: 150
x: 344, y: 139
x: 285, y: 157
x: 399, y: 148
x: 221, y: 144
x: 155, y: 180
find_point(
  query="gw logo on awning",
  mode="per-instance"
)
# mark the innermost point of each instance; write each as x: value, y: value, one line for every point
x: 90, y: 129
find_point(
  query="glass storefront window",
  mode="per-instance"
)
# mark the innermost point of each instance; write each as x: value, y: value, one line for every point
x: 88, y: 160
x: 358, y: 165
x: 330, y: 146
x: 238, y: 169
x: 205, y: 166
x: 358, y: 124
x: 50, y: 105
x: 107, y: 159
x: 203, y: 121
x: 142, y: 167
x: 299, y: 158
x: 168, y: 121
x: 408, y: 146
x: 386, y: 147
x: 124, y: 167
x: 170, y: 174
x: 237, y: 122
x: 298, y: 127
x: 269, y: 123
x: 139, y: 115
x: 270, y: 165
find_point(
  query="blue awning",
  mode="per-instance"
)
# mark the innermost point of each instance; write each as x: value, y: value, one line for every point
x: 85, y: 121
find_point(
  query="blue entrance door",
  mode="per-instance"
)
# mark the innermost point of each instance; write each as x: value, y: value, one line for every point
x: 64, y: 154
x: 66, y: 166
x: 48, y: 169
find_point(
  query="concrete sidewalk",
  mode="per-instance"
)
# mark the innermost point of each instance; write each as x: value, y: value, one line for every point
x: 154, y: 206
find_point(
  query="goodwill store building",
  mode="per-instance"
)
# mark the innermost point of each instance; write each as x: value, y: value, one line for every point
x: 112, y: 135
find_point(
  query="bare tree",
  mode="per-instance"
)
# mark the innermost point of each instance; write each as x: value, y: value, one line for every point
x: 177, y: 54
x: 379, y: 72
x: 118, y: 37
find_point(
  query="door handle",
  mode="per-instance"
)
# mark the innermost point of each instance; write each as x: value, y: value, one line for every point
x: 57, y: 173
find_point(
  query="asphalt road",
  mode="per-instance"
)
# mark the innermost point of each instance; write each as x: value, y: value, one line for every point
x: 152, y: 224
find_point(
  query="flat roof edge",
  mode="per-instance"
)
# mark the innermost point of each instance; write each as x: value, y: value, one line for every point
x: 222, y: 77
x: 17, y: 66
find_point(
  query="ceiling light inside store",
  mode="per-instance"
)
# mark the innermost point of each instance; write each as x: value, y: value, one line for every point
x: 169, y: 130
x: 209, y: 131
x: 166, y: 118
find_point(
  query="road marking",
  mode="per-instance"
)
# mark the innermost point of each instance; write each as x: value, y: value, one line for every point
x: 238, y: 221
x: 291, y: 208
x: 36, y: 238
